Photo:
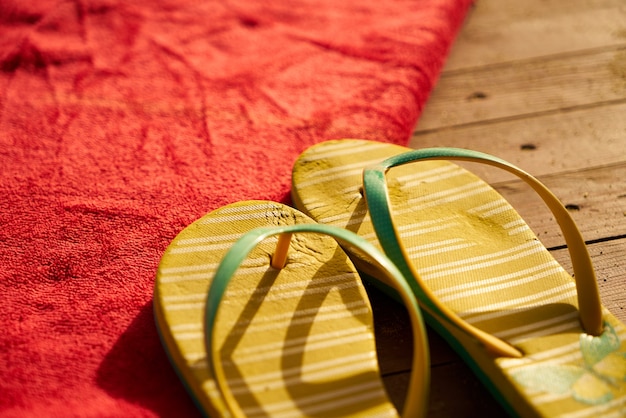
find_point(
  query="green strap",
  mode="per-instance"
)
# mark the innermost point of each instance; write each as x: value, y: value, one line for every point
x: 418, y: 389
x: 377, y: 197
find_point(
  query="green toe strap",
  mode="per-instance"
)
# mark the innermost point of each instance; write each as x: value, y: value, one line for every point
x: 377, y: 197
x: 416, y: 401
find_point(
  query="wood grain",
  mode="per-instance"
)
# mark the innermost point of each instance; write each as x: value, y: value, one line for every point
x: 497, y: 33
x: 550, y: 85
x: 542, y: 144
x: 596, y: 198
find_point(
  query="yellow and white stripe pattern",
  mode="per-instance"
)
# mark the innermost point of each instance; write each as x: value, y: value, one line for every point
x: 474, y: 252
x: 293, y: 342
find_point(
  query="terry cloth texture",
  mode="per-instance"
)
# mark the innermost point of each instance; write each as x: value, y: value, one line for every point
x: 121, y: 122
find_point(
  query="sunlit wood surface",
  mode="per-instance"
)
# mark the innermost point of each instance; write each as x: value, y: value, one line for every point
x: 541, y: 83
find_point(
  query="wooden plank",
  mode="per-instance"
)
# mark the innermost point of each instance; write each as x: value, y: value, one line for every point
x: 496, y: 33
x: 597, y: 197
x: 544, y: 144
x: 496, y: 11
x: 530, y: 87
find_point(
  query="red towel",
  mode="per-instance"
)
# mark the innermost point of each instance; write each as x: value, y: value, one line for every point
x: 121, y: 122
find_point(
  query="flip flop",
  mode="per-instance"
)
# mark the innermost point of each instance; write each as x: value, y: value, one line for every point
x: 262, y: 314
x: 540, y: 341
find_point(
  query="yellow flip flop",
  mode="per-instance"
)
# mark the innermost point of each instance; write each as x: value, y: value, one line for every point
x: 539, y: 340
x: 263, y: 314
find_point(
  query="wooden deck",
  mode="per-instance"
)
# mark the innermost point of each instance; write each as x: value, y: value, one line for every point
x: 541, y: 84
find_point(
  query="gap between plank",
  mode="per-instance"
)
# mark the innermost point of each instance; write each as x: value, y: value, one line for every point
x: 591, y: 242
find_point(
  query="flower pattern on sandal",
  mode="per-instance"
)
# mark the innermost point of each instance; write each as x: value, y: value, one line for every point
x: 593, y: 379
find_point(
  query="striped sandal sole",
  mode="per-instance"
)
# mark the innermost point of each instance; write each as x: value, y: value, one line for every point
x: 291, y: 341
